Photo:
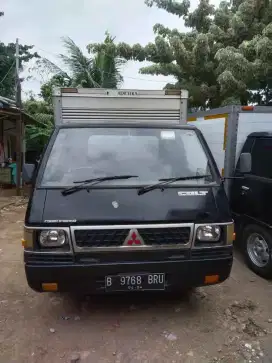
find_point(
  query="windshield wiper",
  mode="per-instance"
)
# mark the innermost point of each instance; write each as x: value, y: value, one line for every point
x: 164, y: 182
x: 83, y: 183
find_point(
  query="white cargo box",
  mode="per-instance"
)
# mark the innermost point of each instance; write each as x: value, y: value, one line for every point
x: 85, y: 105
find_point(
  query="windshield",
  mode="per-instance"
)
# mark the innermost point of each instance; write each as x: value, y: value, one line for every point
x: 149, y: 153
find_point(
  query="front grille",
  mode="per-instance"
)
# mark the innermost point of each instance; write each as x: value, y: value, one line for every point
x: 101, y: 237
x: 116, y: 237
x: 165, y: 236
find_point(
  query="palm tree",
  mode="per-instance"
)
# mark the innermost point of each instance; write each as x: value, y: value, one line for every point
x: 101, y: 70
x: 107, y: 66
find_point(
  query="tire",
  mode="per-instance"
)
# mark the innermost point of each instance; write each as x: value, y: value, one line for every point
x: 257, y: 246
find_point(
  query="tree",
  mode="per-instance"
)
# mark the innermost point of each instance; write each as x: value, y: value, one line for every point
x: 102, y: 70
x: 225, y: 57
x: 37, y: 134
x: 7, y: 65
x: 250, y: 72
x: 107, y: 66
x: 59, y: 80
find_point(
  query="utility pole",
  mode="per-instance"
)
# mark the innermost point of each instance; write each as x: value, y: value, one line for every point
x: 19, y: 121
x: 17, y: 78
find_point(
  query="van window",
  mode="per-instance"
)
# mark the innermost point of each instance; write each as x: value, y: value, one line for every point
x: 151, y: 154
x: 262, y: 158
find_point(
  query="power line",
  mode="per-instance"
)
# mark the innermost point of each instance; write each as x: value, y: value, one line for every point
x: 146, y: 80
x: 46, y: 51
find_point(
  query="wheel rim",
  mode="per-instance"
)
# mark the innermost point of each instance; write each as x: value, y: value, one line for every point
x: 258, y: 250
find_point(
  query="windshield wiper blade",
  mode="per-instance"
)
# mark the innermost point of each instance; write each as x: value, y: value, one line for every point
x: 167, y: 181
x: 102, y: 178
x: 82, y: 183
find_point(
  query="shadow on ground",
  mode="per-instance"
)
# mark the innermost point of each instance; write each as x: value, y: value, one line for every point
x: 115, y: 304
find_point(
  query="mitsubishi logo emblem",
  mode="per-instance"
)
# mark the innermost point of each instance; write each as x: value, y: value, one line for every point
x: 133, y: 239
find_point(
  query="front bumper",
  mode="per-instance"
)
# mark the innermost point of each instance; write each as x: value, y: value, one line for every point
x: 82, y: 273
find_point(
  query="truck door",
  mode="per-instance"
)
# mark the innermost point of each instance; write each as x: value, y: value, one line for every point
x: 252, y: 195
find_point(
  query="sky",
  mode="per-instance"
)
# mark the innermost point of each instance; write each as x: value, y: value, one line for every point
x: 43, y: 24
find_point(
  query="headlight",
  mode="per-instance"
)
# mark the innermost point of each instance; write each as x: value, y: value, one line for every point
x: 53, y: 238
x: 208, y: 233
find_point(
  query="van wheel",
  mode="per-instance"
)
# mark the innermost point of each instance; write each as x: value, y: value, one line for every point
x: 257, y: 242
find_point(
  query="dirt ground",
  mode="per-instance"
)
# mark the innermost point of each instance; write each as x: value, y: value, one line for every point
x: 231, y: 322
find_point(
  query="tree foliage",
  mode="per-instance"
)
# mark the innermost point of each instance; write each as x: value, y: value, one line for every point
x: 78, y: 70
x: 58, y: 80
x: 225, y: 56
x: 37, y: 134
x: 7, y: 65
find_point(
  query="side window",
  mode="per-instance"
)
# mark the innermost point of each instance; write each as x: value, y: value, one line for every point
x: 262, y: 158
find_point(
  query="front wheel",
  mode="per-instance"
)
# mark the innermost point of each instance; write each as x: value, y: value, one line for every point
x: 257, y: 243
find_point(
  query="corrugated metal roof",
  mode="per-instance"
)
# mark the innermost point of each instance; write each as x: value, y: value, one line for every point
x: 8, y: 107
x: 7, y: 102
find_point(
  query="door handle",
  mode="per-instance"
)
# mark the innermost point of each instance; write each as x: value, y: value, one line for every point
x: 245, y: 188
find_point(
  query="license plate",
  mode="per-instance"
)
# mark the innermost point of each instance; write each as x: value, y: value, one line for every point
x: 135, y: 282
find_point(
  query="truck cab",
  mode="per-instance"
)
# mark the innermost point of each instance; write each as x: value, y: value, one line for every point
x: 130, y: 205
x: 251, y: 197
x: 241, y: 142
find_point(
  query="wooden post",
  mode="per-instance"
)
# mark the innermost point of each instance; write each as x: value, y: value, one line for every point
x: 2, y: 134
x: 2, y: 129
x: 18, y: 153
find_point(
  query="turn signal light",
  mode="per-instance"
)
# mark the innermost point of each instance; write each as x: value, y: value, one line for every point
x: 28, y: 238
x: 247, y: 108
x: 172, y: 92
x: 230, y: 237
x: 50, y: 286
x: 69, y: 90
x: 211, y: 279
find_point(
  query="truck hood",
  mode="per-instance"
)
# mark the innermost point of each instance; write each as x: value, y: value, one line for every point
x: 123, y: 206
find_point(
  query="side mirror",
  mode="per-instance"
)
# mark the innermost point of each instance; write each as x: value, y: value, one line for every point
x: 28, y: 172
x: 245, y: 163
